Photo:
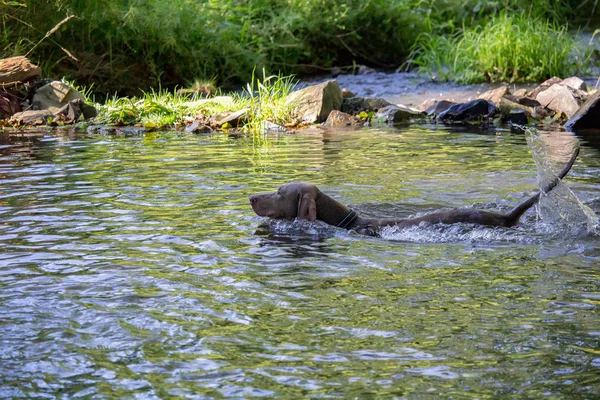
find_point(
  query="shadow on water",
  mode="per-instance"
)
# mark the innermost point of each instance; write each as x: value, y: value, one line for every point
x: 133, y: 266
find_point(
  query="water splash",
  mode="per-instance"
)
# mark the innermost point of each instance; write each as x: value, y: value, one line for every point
x: 558, y: 211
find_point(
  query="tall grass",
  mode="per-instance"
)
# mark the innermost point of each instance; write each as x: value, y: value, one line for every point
x: 511, y: 48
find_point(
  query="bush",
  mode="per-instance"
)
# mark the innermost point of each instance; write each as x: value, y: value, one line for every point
x: 511, y: 48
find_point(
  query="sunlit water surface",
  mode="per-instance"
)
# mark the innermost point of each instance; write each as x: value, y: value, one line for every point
x: 133, y: 266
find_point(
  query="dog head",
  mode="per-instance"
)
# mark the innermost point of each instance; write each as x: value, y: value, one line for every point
x: 292, y: 200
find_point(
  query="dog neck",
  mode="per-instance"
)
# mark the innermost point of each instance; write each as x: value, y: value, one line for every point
x: 335, y: 213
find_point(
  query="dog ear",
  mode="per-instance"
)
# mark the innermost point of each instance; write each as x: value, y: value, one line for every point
x: 307, y: 207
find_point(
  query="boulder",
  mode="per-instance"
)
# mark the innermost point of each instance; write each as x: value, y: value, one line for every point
x: 588, y: 115
x: 559, y: 98
x: 396, y: 114
x: 314, y: 103
x: 338, y: 119
x: 17, y: 69
x: 32, y: 117
x: 575, y: 83
x: 495, y: 95
x: 54, y: 96
x: 439, y: 107
x: 469, y: 111
x: 544, y: 86
x: 356, y: 105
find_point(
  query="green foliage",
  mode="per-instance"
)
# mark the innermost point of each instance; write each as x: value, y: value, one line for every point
x: 125, y: 45
x: 509, y: 48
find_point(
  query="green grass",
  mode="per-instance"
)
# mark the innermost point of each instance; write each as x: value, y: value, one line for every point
x: 263, y: 98
x: 510, y: 48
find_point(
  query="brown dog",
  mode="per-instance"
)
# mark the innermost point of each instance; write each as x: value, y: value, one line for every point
x: 305, y: 201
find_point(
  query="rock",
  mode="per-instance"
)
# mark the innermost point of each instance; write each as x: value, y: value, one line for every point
x: 469, y: 111
x: 17, y: 69
x: 396, y: 114
x: 495, y: 95
x: 356, y: 105
x: 76, y: 109
x: 439, y: 107
x: 31, y: 117
x: 346, y: 94
x: 517, y: 117
x: 559, y: 98
x: 588, y: 115
x: 575, y: 83
x: 198, y: 127
x: 544, y: 86
x: 520, y: 93
x: 314, y: 103
x: 54, y: 96
x: 509, y: 103
x: 223, y: 100
x: 234, y: 119
x: 525, y: 101
x: 338, y: 119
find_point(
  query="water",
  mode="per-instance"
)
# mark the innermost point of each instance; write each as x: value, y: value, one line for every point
x: 133, y: 266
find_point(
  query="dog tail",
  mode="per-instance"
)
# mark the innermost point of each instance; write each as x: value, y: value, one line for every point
x: 513, y: 217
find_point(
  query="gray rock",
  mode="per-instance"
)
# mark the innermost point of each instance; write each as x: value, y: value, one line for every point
x: 575, y: 83
x: 357, y: 105
x: 32, y: 117
x: 338, y: 119
x: 439, y: 107
x: 469, y: 111
x: 588, y: 115
x: 544, y: 86
x: 495, y: 95
x: 314, y: 103
x: 396, y: 114
x: 559, y: 98
x: 54, y: 96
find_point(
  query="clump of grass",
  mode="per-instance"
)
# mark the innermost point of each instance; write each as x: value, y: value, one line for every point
x: 264, y: 99
x: 512, y: 48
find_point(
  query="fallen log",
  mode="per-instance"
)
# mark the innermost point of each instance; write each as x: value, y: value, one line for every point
x: 17, y: 69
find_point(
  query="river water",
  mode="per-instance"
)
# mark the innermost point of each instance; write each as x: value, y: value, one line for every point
x: 132, y: 266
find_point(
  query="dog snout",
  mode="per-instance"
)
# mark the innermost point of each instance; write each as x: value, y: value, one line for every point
x: 253, y: 198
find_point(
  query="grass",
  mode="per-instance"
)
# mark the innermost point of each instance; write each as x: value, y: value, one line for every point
x: 510, y: 48
x: 263, y: 98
